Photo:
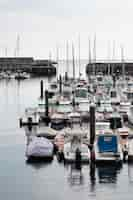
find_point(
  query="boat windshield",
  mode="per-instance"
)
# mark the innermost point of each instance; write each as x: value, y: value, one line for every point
x: 81, y: 93
x: 102, y: 126
x: 65, y: 108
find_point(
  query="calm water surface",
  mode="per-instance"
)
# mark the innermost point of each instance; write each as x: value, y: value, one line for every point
x: 22, y: 181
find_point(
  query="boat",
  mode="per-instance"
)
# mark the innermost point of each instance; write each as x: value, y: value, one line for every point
x: 39, y: 148
x: 21, y: 75
x: 130, y: 148
x: 57, y: 121
x: 75, y: 149
x: 46, y: 132
x: 108, y: 149
x: 130, y: 115
x: 81, y: 94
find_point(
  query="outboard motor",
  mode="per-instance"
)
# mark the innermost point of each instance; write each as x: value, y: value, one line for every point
x: 78, y: 159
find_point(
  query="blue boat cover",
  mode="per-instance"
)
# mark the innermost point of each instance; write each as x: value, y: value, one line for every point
x: 107, y: 143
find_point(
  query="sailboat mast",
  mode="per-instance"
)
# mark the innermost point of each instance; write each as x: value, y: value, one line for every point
x: 89, y: 58
x: 122, y: 60
x: 113, y: 58
x: 79, y: 56
x: 57, y: 60
x: 94, y: 55
x: 67, y: 57
x: 73, y: 59
x: 108, y: 58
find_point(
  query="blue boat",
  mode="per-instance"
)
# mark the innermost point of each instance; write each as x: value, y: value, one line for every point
x: 108, y: 148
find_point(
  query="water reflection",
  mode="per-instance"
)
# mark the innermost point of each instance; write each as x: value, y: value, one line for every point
x: 130, y: 172
x: 39, y: 164
x: 75, y: 175
x: 108, y: 174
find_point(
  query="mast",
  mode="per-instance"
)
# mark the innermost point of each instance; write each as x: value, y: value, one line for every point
x: 123, y: 63
x: 89, y: 58
x: 79, y: 55
x: 108, y: 58
x: 113, y: 58
x: 73, y: 60
x: 17, y: 48
x: 57, y: 59
x: 94, y: 55
x: 67, y: 57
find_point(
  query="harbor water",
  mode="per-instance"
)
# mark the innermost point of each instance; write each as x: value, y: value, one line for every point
x: 51, y: 181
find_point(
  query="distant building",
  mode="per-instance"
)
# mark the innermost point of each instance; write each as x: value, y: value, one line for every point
x: 15, y: 63
x: 110, y: 68
x: 35, y: 67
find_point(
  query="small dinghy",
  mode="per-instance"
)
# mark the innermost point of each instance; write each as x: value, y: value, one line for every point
x: 39, y: 149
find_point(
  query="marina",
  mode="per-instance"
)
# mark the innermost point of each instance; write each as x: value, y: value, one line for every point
x: 88, y: 180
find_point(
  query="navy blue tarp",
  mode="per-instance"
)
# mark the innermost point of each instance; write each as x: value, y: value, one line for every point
x: 107, y: 143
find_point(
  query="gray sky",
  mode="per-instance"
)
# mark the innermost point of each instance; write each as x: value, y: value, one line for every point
x: 43, y: 24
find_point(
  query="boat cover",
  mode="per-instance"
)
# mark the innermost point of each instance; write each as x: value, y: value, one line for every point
x: 40, y: 147
x: 107, y: 143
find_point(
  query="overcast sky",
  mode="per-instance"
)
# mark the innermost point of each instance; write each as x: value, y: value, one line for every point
x: 44, y: 24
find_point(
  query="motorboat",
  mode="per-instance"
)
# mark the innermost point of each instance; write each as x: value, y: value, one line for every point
x: 130, y: 114
x: 108, y: 149
x: 76, y: 146
x: 58, y: 121
x: 102, y: 127
x: 130, y: 148
x: 46, y: 132
x: 39, y: 148
x: 80, y: 94
x: 124, y: 107
x: 21, y: 75
x: 53, y: 89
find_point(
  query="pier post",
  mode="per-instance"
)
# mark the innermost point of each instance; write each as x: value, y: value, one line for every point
x: 46, y: 104
x: 66, y: 76
x: 47, y: 119
x: 114, y: 80
x: 41, y: 89
x: 60, y: 84
x: 92, y: 131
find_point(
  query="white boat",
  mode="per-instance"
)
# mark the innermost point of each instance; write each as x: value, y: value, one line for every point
x: 102, y: 127
x: 39, y: 148
x: 130, y: 148
x: 130, y: 114
x: 124, y: 107
x: 21, y: 75
x: 81, y: 94
x: 75, y: 146
x: 108, y: 149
